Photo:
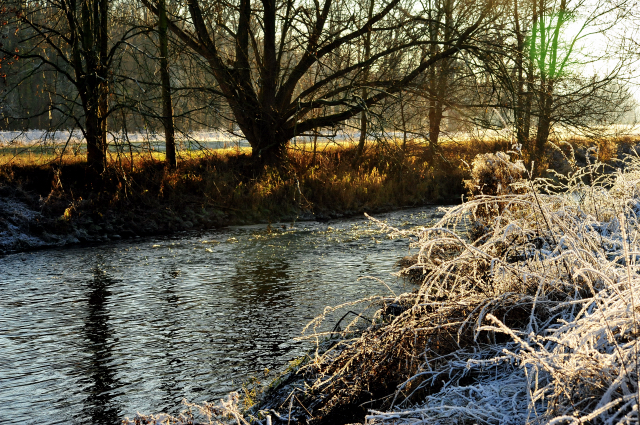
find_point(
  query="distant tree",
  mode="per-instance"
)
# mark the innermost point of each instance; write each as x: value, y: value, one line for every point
x: 365, y: 93
x: 544, y: 75
x: 421, y: 107
x: 24, y: 100
x: 260, y: 53
x: 441, y: 30
x: 71, y: 39
x: 167, y: 106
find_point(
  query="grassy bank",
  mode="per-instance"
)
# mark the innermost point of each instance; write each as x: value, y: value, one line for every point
x: 137, y: 195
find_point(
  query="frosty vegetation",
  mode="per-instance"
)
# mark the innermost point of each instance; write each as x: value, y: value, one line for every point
x: 534, y: 322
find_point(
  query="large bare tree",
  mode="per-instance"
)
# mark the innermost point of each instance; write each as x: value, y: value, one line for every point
x: 262, y: 54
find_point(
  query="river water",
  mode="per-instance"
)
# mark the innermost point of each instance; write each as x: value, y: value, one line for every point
x: 94, y: 334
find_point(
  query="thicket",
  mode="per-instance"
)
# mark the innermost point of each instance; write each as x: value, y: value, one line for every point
x: 139, y: 195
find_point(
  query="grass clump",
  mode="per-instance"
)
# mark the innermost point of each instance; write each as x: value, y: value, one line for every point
x: 536, y: 322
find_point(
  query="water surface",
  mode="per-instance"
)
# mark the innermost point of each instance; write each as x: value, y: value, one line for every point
x: 94, y: 334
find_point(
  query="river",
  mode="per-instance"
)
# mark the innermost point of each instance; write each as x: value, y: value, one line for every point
x: 97, y: 333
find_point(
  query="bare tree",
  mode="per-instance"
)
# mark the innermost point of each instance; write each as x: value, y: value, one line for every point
x: 367, y: 56
x: 259, y: 53
x: 167, y: 107
x: 72, y: 40
x: 546, y: 75
x: 440, y: 29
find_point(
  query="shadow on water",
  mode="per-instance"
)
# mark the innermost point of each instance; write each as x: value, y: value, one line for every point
x: 170, y: 300
x: 263, y: 289
x: 262, y: 277
x: 99, y: 336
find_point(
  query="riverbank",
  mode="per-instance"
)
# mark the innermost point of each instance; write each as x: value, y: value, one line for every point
x: 56, y: 203
x: 533, y: 321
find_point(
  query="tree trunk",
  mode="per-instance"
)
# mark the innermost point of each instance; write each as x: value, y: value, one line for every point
x: 528, y: 97
x: 167, y: 109
x: 435, y: 118
x: 544, y: 126
x: 363, y: 114
x: 434, y: 129
x: 437, y: 112
x: 404, y: 125
x: 438, y: 76
x: 90, y: 67
x: 94, y: 104
x: 93, y: 134
x: 315, y: 147
x: 101, y: 70
x: 265, y: 135
x: 270, y: 151
x: 363, y: 131
x: 548, y: 75
x: 520, y: 114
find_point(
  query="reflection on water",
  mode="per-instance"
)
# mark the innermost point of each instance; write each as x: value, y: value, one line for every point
x: 99, y: 336
x: 271, y: 277
x: 93, y: 334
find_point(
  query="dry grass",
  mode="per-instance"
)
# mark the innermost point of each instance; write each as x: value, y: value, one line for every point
x: 536, y: 322
x: 227, y: 183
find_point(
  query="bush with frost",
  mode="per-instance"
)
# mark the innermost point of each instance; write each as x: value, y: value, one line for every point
x: 492, y: 174
x: 536, y: 323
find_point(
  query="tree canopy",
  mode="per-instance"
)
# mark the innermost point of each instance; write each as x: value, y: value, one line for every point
x: 271, y: 70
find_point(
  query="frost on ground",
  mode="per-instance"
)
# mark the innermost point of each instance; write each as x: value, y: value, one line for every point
x: 537, y: 321
x: 23, y: 226
x: 15, y: 220
x: 220, y: 413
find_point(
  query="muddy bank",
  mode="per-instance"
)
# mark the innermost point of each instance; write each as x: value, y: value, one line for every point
x: 30, y: 222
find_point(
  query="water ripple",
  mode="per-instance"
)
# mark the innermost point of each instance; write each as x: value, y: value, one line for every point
x: 94, y: 334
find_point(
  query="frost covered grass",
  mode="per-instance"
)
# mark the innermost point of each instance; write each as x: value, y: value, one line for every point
x: 223, y: 412
x: 535, y: 321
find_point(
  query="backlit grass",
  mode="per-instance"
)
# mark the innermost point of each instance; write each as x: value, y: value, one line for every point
x: 327, y: 180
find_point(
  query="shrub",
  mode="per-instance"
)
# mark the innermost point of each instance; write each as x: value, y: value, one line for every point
x: 537, y: 323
